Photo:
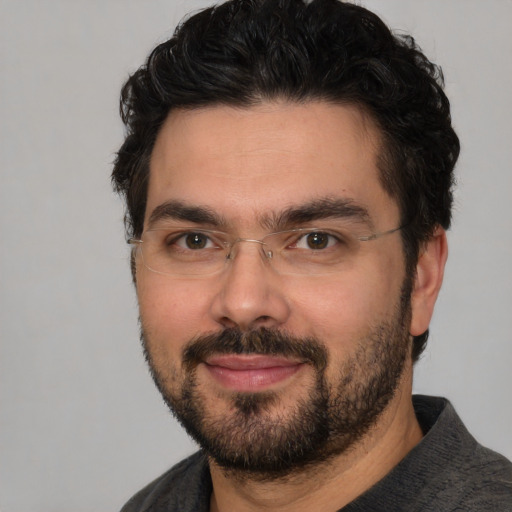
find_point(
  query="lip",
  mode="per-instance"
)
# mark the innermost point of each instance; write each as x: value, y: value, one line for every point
x: 251, y: 373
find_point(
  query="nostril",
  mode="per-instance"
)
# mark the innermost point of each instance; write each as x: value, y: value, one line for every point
x: 262, y: 321
x: 227, y: 323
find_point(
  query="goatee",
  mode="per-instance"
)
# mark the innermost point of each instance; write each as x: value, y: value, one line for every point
x: 255, y: 438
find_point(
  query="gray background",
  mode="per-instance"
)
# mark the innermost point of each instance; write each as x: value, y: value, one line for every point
x: 81, y: 426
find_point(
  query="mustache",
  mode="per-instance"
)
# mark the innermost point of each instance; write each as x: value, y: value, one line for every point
x: 264, y: 341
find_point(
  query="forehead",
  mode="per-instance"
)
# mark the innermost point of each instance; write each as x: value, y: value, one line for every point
x: 245, y: 162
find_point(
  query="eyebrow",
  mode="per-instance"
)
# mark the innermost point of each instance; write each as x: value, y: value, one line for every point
x: 319, y: 209
x: 178, y: 210
x: 293, y: 216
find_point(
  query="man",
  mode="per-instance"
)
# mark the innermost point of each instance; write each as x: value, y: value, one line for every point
x: 287, y: 172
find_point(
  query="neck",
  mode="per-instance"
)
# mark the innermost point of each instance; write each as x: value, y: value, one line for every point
x: 330, y: 485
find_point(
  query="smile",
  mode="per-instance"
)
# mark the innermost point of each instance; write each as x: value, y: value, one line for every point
x: 251, y: 373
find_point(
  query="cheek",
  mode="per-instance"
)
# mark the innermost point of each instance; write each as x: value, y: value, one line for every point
x: 171, y: 312
x: 335, y: 315
x: 343, y: 309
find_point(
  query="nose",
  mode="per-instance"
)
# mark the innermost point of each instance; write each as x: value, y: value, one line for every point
x: 250, y: 294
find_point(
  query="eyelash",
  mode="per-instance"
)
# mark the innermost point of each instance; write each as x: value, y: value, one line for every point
x: 179, y: 240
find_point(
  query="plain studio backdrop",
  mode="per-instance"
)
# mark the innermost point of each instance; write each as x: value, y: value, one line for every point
x: 82, y: 426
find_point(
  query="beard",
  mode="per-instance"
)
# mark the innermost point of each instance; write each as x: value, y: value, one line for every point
x: 259, y: 440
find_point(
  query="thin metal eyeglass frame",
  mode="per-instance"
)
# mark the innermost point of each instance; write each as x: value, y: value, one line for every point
x: 268, y: 254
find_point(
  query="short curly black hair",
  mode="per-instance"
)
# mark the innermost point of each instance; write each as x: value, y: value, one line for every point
x: 243, y: 52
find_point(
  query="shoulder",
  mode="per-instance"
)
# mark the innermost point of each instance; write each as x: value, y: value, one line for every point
x: 487, y: 481
x: 448, y: 471
x: 482, y: 482
x: 465, y: 474
x: 185, y: 487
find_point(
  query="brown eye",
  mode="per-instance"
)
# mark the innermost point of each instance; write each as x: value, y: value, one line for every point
x: 196, y: 240
x: 318, y: 240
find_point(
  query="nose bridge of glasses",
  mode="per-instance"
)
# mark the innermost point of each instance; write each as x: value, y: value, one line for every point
x: 265, y: 249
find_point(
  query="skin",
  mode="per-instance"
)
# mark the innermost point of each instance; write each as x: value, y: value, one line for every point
x: 241, y: 164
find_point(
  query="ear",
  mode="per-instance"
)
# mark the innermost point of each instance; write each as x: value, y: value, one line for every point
x: 428, y: 280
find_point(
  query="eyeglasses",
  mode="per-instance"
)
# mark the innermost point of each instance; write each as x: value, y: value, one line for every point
x: 189, y: 251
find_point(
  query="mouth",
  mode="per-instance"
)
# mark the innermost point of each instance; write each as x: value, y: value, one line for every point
x: 251, y: 373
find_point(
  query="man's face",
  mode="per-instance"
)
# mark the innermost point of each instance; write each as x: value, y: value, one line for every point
x: 270, y: 370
